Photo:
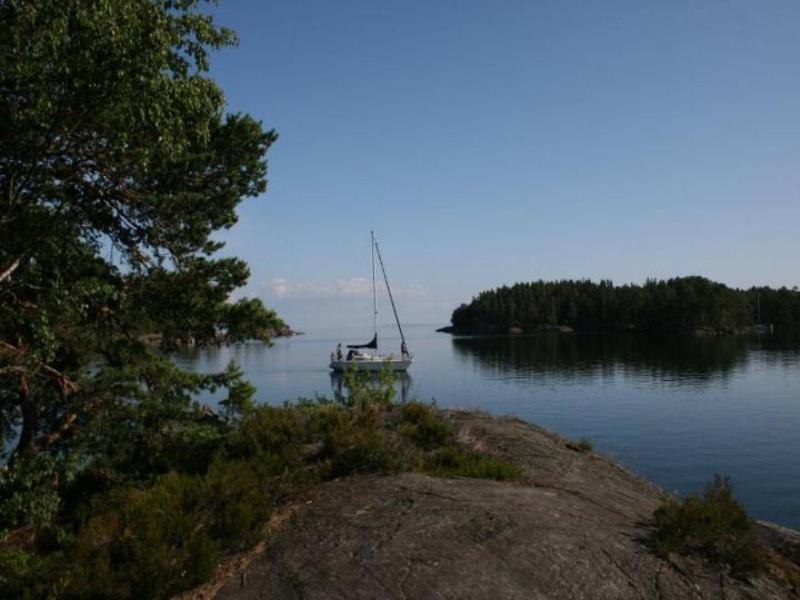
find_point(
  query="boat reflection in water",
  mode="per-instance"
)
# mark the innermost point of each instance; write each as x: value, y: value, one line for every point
x: 401, y: 381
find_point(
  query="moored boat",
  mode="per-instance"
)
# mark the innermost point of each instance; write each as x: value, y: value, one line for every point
x: 357, y: 357
x: 372, y: 362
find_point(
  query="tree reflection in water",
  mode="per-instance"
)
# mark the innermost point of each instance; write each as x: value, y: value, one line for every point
x: 679, y: 359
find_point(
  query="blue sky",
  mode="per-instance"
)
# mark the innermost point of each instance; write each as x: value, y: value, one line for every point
x: 494, y: 142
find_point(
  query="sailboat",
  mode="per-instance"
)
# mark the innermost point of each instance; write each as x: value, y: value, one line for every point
x: 358, y: 357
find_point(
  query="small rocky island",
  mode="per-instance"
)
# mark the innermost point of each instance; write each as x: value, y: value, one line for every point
x: 574, y: 525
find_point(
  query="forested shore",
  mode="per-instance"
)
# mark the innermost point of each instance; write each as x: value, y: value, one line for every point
x: 679, y: 305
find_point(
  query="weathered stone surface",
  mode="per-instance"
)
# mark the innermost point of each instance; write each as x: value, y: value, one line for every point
x: 576, y: 528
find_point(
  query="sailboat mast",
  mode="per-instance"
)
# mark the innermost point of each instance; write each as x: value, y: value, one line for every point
x: 374, y: 291
x: 389, y: 289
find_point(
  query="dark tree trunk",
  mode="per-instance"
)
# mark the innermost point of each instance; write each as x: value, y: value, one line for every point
x: 27, y: 439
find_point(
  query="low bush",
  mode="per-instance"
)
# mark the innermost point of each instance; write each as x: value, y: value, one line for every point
x: 713, y: 525
x: 582, y: 445
x: 457, y: 462
x: 423, y: 427
x: 152, y: 529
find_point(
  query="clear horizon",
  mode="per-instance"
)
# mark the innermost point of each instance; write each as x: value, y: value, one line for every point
x: 487, y: 145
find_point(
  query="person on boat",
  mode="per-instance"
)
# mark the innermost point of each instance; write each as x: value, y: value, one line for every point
x: 339, y: 351
x: 403, y: 349
x: 351, y: 354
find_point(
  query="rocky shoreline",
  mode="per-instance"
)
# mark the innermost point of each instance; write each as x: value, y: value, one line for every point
x: 567, y: 330
x: 575, y: 526
x: 510, y: 331
x: 157, y: 339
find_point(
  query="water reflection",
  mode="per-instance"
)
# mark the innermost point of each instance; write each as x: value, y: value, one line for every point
x: 402, y: 385
x: 689, y: 360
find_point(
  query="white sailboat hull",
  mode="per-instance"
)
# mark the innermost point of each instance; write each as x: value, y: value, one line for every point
x: 372, y: 363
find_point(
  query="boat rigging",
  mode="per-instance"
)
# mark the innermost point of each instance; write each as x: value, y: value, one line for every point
x: 364, y: 361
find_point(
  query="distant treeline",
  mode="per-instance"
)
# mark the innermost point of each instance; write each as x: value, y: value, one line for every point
x: 679, y: 305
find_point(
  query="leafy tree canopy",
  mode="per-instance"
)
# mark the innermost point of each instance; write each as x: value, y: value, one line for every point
x: 118, y: 164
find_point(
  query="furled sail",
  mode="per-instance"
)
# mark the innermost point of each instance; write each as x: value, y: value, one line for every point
x: 373, y: 344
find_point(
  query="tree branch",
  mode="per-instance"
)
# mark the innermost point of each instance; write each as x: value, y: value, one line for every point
x: 7, y: 273
x: 64, y: 430
x: 67, y: 385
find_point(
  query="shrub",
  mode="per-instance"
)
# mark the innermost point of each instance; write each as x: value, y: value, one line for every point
x: 29, y: 490
x: 713, y: 525
x: 367, y: 389
x: 353, y: 441
x: 269, y: 429
x: 423, y: 427
x: 152, y: 530
x: 21, y: 573
x: 583, y: 445
x: 456, y: 462
x: 155, y: 542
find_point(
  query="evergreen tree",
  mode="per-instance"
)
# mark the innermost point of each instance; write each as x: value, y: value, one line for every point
x: 117, y: 166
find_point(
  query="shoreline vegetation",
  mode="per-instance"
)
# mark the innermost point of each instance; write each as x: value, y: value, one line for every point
x: 198, y: 495
x: 162, y: 341
x: 682, y: 305
x: 156, y: 516
x: 570, y: 523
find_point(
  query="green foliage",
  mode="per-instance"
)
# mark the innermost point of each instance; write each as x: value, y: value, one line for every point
x: 239, y: 402
x: 151, y: 542
x: 583, y: 445
x: 161, y: 526
x: 679, y: 305
x: 444, y: 457
x: 713, y: 525
x: 358, y: 446
x: 456, y: 462
x: 29, y: 492
x: 368, y: 388
x: 118, y: 166
x: 421, y: 425
x: 20, y: 572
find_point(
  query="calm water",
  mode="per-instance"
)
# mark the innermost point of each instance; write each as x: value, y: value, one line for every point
x: 674, y: 410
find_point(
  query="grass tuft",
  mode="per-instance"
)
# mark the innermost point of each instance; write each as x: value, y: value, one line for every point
x: 714, y: 525
x: 583, y: 445
x: 458, y: 462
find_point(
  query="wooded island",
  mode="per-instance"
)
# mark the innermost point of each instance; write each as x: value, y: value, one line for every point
x: 678, y: 305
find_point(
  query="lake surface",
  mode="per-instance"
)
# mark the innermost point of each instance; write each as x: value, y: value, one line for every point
x: 673, y: 410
